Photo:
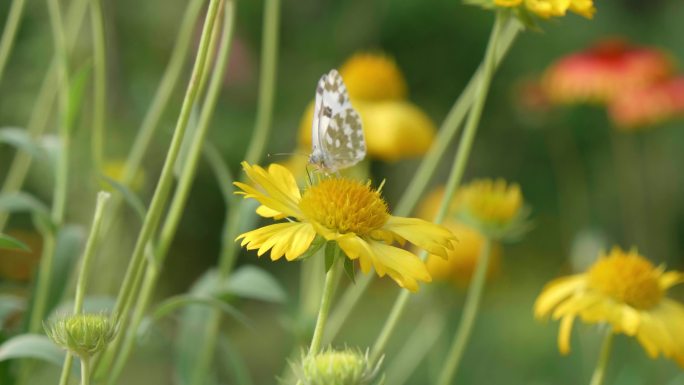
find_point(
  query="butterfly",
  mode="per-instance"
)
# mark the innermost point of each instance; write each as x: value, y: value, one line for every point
x: 337, y: 132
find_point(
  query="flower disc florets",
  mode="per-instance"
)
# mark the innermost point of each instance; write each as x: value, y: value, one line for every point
x: 82, y: 334
x: 628, y: 278
x: 345, y: 206
x: 337, y: 367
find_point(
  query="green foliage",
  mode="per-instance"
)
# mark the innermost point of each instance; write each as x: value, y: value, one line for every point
x: 10, y: 243
x: 31, y: 346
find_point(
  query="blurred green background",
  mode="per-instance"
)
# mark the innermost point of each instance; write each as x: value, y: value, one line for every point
x: 564, y: 162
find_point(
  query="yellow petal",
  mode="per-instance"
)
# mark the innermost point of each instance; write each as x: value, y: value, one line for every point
x: 402, y: 266
x: 564, y: 334
x: 276, y: 188
x: 670, y: 278
x: 291, y: 239
x: 436, y: 239
x: 555, y: 292
x: 268, y: 212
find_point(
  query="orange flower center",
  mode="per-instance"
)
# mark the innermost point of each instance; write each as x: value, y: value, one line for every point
x: 627, y: 278
x: 345, y: 206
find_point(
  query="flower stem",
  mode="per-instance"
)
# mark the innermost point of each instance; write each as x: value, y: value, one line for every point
x: 456, y: 172
x: 40, y: 113
x: 600, y: 370
x: 161, y: 194
x: 102, y: 199
x: 85, y: 370
x: 470, y: 309
x: 10, y: 32
x: 62, y: 174
x: 267, y: 85
x: 185, y: 182
x: 100, y: 74
x: 424, y: 173
x: 324, y: 309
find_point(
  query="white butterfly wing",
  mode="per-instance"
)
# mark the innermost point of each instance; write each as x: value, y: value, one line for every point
x: 337, y: 132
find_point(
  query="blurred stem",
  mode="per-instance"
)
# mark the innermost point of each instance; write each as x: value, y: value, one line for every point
x: 267, y: 85
x: 85, y: 370
x: 425, y: 171
x: 457, y: 170
x: 416, y: 348
x: 161, y: 194
x: 9, y: 33
x: 41, y: 109
x: 324, y: 309
x: 100, y: 87
x: 60, y: 192
x: 470, y: 308
x: 602, y: 364
x: 102, y: 199
x: 631, y: 193
x: 186, y: 178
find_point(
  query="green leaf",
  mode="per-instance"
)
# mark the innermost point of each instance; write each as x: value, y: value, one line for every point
x: 349, y: 269
x: 24, y: 202
x: 176, y: 302
x: 330, y: 253
x: 316, y: 245
x: 129, y: 196
x: 32, y: 346
x: 232, y: 359
x: 254, y: 283
x: 77, y: 87
x: 7, y: 242
x: 19, y: 138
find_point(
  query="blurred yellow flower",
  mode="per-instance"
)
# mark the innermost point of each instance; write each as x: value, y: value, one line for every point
x: 461, y: 262
x: 114, y: 169
x: 394, y: 128
x: 491, y: 202
x: 373, y: 77
x: 624, y: 290
x: 552, y: 8
x: 344, y: 211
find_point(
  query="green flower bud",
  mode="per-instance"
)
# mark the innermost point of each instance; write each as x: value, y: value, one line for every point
x: 337, y: 367
x: 82, y: 334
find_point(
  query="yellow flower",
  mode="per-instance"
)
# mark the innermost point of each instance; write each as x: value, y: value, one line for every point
x: 394, y: 128
x: 552, y: 8
x: 371, y: 76
x: 494, y: 207
x: 624, y: 290
x: 344, y: 211
x: 460, y: 265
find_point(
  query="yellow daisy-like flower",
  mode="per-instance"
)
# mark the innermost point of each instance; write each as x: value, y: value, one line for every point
x: 494, y: 207
x: 346, y: 212
x: 624, y: 290
x: 394, y: 128
x: 551, y: 8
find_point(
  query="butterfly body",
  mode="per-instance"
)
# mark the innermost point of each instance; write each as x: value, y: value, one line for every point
x: 337, y: 132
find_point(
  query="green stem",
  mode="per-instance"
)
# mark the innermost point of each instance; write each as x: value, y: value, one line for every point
x: 457, y: 170
x: 424, y: 173
x: 102, y: 199
x: 59, y: 198
x: 61, y: 179
x: 184, y: 185
x: 415, y: 349
x: 166, y: 178
x: 41, y: 109
x: 472, y: 304
x: 85, y: 370
x: 269, y: 54
x: 604, y: 357
x: 100, y: 90
x: 10, y: 32
x: 324, y: 309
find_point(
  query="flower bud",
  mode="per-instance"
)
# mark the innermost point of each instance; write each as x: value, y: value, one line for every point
x: 337, y: 367
x: 82, y: 334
